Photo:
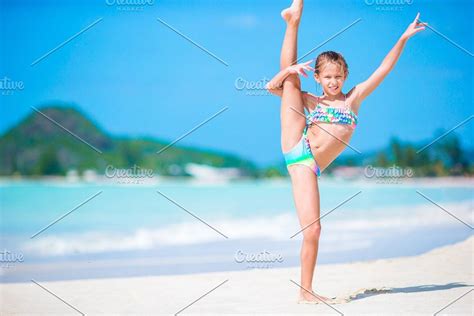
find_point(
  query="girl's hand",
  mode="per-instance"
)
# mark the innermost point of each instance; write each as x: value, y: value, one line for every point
x: 414, y: 27
x: 299, y: 69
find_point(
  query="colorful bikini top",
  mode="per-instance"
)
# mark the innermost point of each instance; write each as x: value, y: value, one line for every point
x: 333, y: 115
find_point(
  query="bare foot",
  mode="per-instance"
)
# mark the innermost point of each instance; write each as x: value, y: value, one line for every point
x: 314, y: 298
x: 293, y: 13
x: 305, y: 296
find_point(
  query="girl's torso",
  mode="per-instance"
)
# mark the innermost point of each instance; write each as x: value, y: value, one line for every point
x: 330, y: 130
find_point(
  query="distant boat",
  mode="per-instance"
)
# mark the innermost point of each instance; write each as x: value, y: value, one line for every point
x: 348, y: 172
x: 209, y: 173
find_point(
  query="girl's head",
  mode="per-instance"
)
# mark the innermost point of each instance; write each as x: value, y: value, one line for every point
x: 330, y: 72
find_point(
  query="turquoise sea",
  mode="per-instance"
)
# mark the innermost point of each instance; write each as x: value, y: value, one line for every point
x: 59, y: 230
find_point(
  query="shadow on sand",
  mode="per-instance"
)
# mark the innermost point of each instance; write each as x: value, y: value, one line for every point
x: 368, y: 292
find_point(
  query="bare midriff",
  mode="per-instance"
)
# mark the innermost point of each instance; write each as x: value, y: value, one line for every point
x: 327, y: 141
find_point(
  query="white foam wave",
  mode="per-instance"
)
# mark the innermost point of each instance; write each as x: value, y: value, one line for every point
x: 278, y: 228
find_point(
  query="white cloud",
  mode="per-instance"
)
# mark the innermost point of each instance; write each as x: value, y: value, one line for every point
x: 242, y: 21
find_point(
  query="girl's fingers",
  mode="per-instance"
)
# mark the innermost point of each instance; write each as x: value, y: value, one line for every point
x: 420, y: 29
x: 304, y: 66
x: 417, y: 16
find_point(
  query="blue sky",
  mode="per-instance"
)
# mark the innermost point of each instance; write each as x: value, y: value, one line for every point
x: 136, y: 77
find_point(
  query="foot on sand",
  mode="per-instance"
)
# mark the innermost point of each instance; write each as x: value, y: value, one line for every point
x: 293, y: 13
x: 307, y: 298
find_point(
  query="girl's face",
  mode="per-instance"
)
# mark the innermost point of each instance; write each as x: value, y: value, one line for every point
x: 331, y: 78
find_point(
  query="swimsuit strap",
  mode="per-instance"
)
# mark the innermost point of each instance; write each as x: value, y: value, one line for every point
x: 315, y: 107
x: 317, y: 101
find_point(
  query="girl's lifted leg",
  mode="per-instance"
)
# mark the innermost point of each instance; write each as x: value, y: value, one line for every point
x: 292, y: 122
x: 292, y: 16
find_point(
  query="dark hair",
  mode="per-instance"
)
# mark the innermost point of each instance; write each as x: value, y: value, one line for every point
x: 332, y: 57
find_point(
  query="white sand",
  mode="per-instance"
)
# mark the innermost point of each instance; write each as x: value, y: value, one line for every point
x: 421, y: 285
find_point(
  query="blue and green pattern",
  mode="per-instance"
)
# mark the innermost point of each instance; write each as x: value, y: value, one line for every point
x: 326, y: 114
x: 301, y: 154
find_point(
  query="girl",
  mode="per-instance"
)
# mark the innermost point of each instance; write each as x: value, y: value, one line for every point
x: 310, y: 143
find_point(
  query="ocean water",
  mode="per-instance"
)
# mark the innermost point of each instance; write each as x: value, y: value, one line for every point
x: 59, y: 230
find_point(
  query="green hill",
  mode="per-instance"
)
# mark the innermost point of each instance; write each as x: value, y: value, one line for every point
x: 444, y: 157
x: 38, y: 146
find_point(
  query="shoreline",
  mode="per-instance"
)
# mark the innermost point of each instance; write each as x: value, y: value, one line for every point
x: 102, y: 180
x: 218, y: 256
x: 424, y: 283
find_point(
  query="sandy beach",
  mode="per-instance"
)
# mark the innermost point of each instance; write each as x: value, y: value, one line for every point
x: 421, y: 285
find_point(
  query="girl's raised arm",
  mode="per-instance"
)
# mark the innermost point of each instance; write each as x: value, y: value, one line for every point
x: 365, y: 88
